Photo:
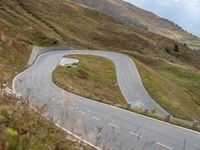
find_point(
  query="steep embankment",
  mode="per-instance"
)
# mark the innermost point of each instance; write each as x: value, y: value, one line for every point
x: 143, y: 19
x: 27, y: 22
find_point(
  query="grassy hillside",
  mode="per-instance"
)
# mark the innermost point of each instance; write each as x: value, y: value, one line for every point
x: 62, y: 22
x: 175, y: 88
x: 26, y: 22
x: 143, y: 19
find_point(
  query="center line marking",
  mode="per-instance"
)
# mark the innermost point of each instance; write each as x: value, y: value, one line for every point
x: 138, y: 135
x: 82, y: 112
x: 93, y: 117
x: 112, y: 125
x: 164, y: 145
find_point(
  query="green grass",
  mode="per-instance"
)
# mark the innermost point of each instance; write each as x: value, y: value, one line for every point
x: 94, y: 78
x: 187, y: 79
x: 24, y: 23
x: 175, y: 87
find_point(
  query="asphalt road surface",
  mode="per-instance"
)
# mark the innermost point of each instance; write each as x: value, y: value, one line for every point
x: 105, y: 126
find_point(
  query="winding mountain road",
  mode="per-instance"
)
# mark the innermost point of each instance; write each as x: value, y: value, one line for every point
x: 105, y: 126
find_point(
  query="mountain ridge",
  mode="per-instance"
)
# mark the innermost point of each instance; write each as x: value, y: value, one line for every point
x: 144, y: 19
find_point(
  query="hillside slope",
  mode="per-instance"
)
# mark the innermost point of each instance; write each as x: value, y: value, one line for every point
x: 24, y: 23
x: 143, y: 19
x: 23, y: 128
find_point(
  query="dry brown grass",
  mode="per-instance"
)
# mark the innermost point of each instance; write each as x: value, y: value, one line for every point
x: 27, y: 22
x: 86, y: 80
x: 13, y: 59
x: 91, y: 80
x: 23, y: 128
x: 143, y: 19
x: 94, y: 78
x: 71, y: 24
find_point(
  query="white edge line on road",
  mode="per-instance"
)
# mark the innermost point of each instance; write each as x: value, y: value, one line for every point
x: 14, y: 80
x: 76, y: 136
x: 96, y: 118
x: 179, y: 127
x: 13, y: 87
x: 79, y: 138
x: 138, y: 135
x: 112, y: 125
x: 82, y: 112
x: 163, y: 145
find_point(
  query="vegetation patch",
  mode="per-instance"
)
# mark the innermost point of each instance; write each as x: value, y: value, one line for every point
x: 94, y: 78
x: 13, y: 59
x: 86, y: 80
x: 23, y: 128
x: 25, y: 23
x: 175, y: 87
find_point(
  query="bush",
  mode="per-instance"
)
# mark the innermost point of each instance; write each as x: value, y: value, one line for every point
x: 176, y: 48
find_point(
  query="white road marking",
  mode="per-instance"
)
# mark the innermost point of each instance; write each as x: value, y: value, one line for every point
x: 93, y: 117
x: 112, y: 125
x: 163, y: 145
x: 76, y: 136
x: 138, y: 135
x: 138, y: 115
x: 82, y: 112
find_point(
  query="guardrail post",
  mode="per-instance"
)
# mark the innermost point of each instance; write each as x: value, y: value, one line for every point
x: 194, y: 124
x: 146, y: 111
x: 114, y: 102
x: 167, y: 118
x: 129, y: 106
